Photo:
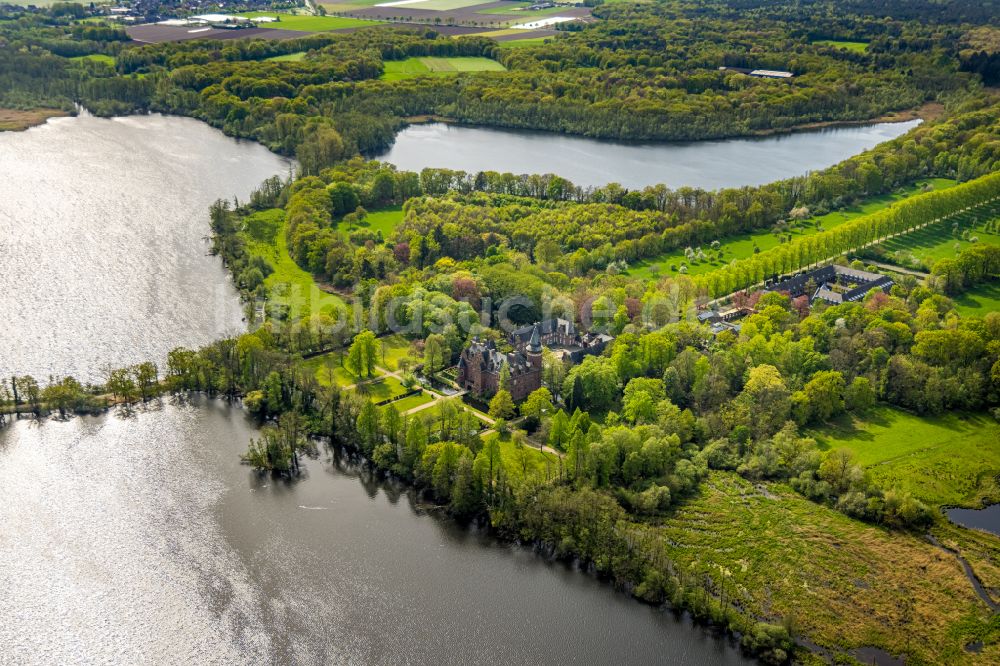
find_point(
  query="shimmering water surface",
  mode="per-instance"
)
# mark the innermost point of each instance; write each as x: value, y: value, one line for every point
x: 102, y: 240
x: 706, y: 164
x: 141, y: 539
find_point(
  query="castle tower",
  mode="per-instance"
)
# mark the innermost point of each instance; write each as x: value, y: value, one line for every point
x: 534, y: 349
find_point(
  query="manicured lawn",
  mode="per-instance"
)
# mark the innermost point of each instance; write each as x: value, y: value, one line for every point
x: 844, y: 584
x: 979, y: 301
x: 308, y: 23
x: 395, y: 348
x: 401, y: 69
x: 945, y: 460
x: 291, y: 57
x: 382, y: 389
x: 945, y: 241
x: 384, y: 220
x: 288, y: 284
x: 856, y: 47
x: 97, y: 57
x: 742, y: 246
x: 328, y: 369
x: 409, y: 402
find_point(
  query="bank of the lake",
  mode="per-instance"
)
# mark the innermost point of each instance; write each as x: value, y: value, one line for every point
x: 102, y: 240
x: 591, y: 162
x: 142, y: 538
x: 18, y: 120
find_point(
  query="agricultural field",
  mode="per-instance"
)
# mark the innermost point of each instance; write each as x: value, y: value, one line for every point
x: 949, y: 460
x: 742, y: 246
x: 946, y: 240
x: 289, y: 284
x: 521, y: 11
x: 854, y: 47
x: 309, y: 23
x: 404, y: 69
x: 843, y: 584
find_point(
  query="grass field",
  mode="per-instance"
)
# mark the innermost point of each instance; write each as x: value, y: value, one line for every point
x: 402, y: 69
x: 412, y: 401
x: 945, y: 461
x: 941, y: 241
x: 521, y: 43
x: 384, y: 220
x: 741, y: 246
x: 528, y: 464
x: 291, y: 57
x: 97, y: 57
x: 382, y: 389
x: 288, y: 284
x: 395, y: 349
x: 842, y: 583
x: 979, y: 301
x: 308, y: 23
x: 328, y: 370
x: 855, y: 47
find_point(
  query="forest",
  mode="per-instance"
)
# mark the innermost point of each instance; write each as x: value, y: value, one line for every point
x: 603, y: 460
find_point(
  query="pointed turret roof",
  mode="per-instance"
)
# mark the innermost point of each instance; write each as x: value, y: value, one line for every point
x: 535, y: 344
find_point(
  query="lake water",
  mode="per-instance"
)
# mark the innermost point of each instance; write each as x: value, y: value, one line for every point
x: 141, y: 539
x: 590, y: 162
x: 102, y: 240
x: 987, y: 519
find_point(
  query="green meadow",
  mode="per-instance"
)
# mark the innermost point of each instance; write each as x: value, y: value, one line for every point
x: 384, y: 220
x: 842, y: 583
x: 291, y: 57
x: 96, y: 57
x: 946, y: 460
x: 308, y: 22
x: 945, y: 240
x: 742, y: 246
x: 289, y: 284
x: 854, y: 47
x: 979, y: 301
x: 402, y: 69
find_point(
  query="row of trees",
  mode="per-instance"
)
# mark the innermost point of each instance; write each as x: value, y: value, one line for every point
x: 904, y: 216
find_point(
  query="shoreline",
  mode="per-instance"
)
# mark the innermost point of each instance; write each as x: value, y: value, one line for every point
x: 926, y: 112
x: 19, y: 120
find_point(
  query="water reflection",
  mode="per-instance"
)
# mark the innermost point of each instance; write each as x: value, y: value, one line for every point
x: 706, y: 164
x: 102, y: 237
x: 144, y: 539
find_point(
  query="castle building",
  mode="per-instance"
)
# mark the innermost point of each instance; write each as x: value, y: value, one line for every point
x: 562, y: 337
x: 481, y: 363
